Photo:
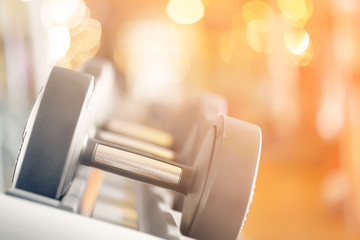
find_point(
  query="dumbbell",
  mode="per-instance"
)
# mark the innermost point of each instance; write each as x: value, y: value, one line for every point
x: 108, y: 126
x: 201, y: 112
x: 218, y: 187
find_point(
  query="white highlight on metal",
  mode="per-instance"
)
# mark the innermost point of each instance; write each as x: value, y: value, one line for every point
x: 138, y: 164
x: 145, y: 133
x: 138, y: 144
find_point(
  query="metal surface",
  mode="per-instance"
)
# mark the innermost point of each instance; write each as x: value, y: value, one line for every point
x: 218, y: 187
x: 22, y: 219
x: 137, y: 164
x: 219, y: 209
x: 54, y: 134
x: 136, y: 143
x: 139, y: 131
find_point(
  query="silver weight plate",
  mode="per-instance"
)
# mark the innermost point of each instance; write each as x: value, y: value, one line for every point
x: 54, y: 134
x: 226, y: 169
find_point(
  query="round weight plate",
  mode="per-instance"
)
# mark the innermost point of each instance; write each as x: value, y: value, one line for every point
x: 54, y: 134
x: 105, y: 90
x: 224, y: 181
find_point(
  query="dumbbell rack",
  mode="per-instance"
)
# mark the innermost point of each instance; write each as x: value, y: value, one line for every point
x: 133, y: 211
x: 123, y: 208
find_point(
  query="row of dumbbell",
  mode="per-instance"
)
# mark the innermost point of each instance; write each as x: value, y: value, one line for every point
x: 217, y: 185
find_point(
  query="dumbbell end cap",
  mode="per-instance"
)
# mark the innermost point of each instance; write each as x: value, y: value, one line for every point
x: 54, y: 133
x: 223, y: 203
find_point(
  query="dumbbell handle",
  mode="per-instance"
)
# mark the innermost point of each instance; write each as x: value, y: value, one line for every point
x: 138, y: 165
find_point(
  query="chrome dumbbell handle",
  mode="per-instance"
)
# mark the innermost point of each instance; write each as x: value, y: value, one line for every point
x: 137, y: 165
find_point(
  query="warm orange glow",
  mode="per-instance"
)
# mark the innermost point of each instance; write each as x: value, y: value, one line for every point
x: 332, y: 105
x: 259, y: 17
x: 296, y: 11
x: 67, y: 13
x: 330, y: 117
x: 185, y: 11
x: 80, y: 57
x: 257, y: 40
x: 74, y: 37
x: 297, y: 41
x: 85, y: 43
x: 259, y: 14
x: 299, y: 46
x: 94, y: 182
x: 88, y: 38
x: 225, y: 47
x: 306, y: 57
x: 156, y: 64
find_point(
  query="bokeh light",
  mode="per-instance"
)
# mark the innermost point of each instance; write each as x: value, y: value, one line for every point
x: 156, y: 64
x: 63, y: 12
x: 83, y: 33
x: 88, y: 38
x: 59, y: 42
x: 185, y: 11
x: 297, y: 41
x: 305, y: 58
x: 258, y: 40
x: 259, y: 15
x: 296, y: 11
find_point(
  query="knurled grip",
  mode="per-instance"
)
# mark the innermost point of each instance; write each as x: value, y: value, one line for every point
x: 137, y: 164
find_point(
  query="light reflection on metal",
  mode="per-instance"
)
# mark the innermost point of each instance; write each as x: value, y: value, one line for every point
x: 138, y: 165
x: 138, y: 131
x: 137, y: 144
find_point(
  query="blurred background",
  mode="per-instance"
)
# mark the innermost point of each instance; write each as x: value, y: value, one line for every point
x: 289, y: 66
